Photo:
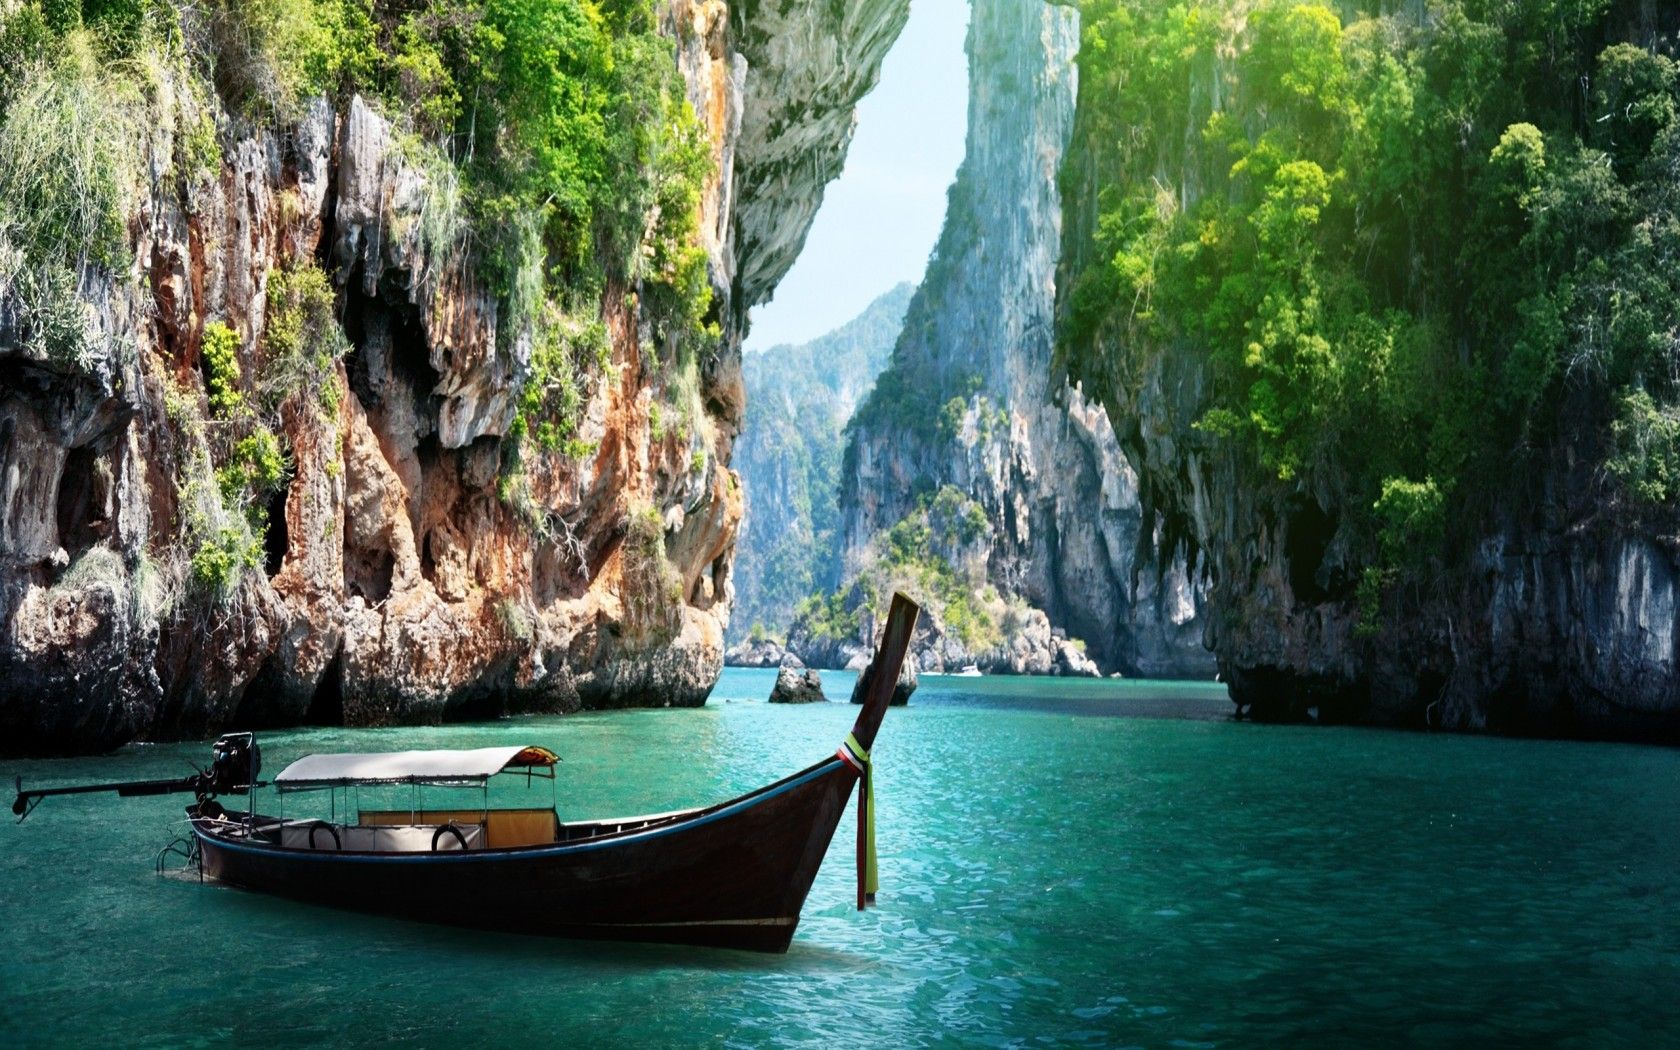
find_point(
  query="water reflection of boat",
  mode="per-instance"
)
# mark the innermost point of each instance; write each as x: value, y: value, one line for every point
x: 734, y: 874
x: 970, y: 671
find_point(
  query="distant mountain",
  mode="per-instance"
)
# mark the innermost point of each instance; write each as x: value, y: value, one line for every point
x: 799, y: 399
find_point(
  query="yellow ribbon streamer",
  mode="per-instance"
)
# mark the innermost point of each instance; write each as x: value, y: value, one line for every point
x: 870, y: 873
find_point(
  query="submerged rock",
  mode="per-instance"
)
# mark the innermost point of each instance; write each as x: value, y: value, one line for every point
x: 797, y: 685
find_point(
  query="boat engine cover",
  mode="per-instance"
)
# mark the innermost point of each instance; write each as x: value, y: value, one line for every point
x: 235, y: 763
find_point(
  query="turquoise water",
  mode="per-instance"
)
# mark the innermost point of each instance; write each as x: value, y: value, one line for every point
x: 1055, y: 871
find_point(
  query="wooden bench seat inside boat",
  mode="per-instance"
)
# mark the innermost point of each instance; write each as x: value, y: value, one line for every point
x: 503, y: 827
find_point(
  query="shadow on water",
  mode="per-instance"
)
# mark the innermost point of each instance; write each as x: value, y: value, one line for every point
x: 298, y: 921
x: 1140, y: 698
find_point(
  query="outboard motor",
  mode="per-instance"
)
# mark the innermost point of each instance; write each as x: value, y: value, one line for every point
x: 235, y: 762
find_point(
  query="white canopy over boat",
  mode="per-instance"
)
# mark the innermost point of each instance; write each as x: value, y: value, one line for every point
x: 409, y: 767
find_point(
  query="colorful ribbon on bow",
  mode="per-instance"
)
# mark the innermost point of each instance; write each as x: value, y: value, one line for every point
x: 869, y: 880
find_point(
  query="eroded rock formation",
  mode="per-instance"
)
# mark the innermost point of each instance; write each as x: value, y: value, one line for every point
x: 902, y: 688
x: 796, y: 684
x: 403, y: 581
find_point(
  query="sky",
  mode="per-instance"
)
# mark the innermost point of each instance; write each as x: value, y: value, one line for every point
x: 880, y: 218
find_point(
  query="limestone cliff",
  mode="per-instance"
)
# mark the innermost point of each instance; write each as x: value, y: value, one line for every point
x: 1551, y: 608
x: 969, y: 404
x: 405, y: 576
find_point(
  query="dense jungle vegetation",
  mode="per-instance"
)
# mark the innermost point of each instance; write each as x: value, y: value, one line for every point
x: 936, y: 554
x: 564, y: 122
x: 1414, y: 249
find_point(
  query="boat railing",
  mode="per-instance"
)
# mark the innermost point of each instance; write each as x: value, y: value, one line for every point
x: 328, y: 835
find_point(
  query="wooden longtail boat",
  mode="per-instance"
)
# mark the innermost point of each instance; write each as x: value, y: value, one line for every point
x: 733, y: 875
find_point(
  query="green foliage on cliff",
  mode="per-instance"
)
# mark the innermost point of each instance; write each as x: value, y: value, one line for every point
x: 936, y: 554
x: 649, y: 584
x: 239, y: 460
x: 1647, y: 448
x: 69, y: 137
x: 235, y: 464
x: 580, y: 161
x: 24, y: 36
x: 256, y: 466
x: 220, y: 519
x: 221, y: 559
x: 1407, y: 258
x: 560, y: 158
x: 302, y: 338
x: 826, y: 618
x: 570, y: 358
x: 220, y: 349
x: 567, y: 354
x: 921, y: 556
x: 579, y: 123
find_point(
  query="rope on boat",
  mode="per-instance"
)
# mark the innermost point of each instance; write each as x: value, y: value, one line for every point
x: 856, y: 755
x: 185, y: 848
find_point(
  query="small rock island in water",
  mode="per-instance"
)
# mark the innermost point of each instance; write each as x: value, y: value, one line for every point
x: 796, y: 684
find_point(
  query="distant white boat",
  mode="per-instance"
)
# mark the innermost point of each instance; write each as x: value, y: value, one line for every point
x: 971, y: 671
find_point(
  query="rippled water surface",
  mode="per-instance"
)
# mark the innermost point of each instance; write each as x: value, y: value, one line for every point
x: 1056, y: 869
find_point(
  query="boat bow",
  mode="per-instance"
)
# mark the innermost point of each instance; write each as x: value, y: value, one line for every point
x: 879, y: 679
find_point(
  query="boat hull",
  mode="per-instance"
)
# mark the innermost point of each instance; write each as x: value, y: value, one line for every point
x: 734, y: 875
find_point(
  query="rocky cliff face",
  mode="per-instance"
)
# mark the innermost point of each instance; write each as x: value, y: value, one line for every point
x: 798, y: 401
x: 969, y: 400
x: 1558, y: 618
x: 1562, y: 621
x: 402, y: 577
x: 813, y: 61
